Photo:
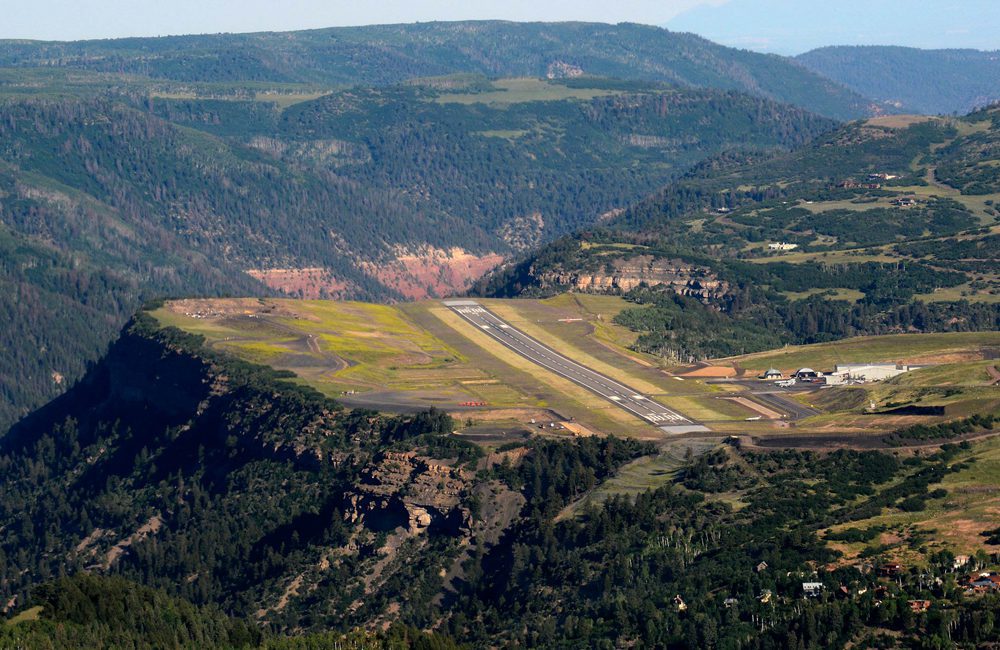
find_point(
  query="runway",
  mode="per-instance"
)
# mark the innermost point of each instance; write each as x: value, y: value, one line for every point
x: 615, y: 392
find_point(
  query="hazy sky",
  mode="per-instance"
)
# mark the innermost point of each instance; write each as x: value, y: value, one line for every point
x: 783, y: 26
x: 794, y: 26
x: 75, y: 19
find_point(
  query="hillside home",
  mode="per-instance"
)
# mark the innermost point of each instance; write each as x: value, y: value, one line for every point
x: 851, y: 184
x: 812, y: 589
x: 782, y: 246
x: 891, y: 569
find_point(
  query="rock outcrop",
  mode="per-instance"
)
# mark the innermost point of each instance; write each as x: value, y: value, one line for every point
x: 625, y: 274
x: 401, y: 490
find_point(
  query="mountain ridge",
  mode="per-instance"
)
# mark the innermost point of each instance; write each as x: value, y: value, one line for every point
x: 388, y: 193
x: 389, y: 54
x: 896, y: 77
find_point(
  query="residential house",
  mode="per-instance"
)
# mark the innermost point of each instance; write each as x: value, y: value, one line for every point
x: 891, y: 569
x: 781, y: 246
x: 812, y: 589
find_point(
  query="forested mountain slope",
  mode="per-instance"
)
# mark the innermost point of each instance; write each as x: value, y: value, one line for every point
x: 222, y: 483
x: 389, y: 54
x: 369, y: 193
x: 72, y: 270
x: 88, y: 611
x: 881, y: 226
x: 910, y: 79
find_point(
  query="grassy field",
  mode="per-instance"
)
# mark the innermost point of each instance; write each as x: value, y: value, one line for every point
x: 910, y: 348
x: 960, y: 292
x: 962, y: 388
x: 850, y: 295
x: 846, y: 256
x: 646, y: 473
x: 416, y: 355
x: 953, y: 522
x: 518, y: 90
x: 281, y: 100
x: 899, y: 121
x: 30, y: 614
x: 334, y: 346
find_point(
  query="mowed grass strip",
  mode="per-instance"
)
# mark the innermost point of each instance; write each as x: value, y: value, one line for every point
x: 599, y: 311
x: 513, y: 313
x: 582, y: 400
x: 707, y: 409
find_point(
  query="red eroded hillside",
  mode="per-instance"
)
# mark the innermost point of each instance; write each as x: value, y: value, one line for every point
x: 309, y: 283
x: 432, y: 272
x: 426, y: 273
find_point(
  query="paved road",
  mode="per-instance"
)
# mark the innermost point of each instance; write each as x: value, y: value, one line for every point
x: 611, y: 390
x: 775, y: 396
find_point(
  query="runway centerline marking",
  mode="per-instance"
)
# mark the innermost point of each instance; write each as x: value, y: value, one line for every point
x: 538, y: 353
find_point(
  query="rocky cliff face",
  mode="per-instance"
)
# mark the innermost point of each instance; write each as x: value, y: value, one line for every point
x: 175, y: 465
x: 626, y: 273
x: 401, y: 490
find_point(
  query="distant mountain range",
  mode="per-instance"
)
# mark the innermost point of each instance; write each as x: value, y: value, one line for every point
x: 389, y: 54
x: 911, y: 80
x: 115, y: 189
x: 385, y: 162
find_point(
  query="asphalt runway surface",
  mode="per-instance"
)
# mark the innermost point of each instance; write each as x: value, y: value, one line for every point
x: 615, y: 392
x: 778, y: 397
